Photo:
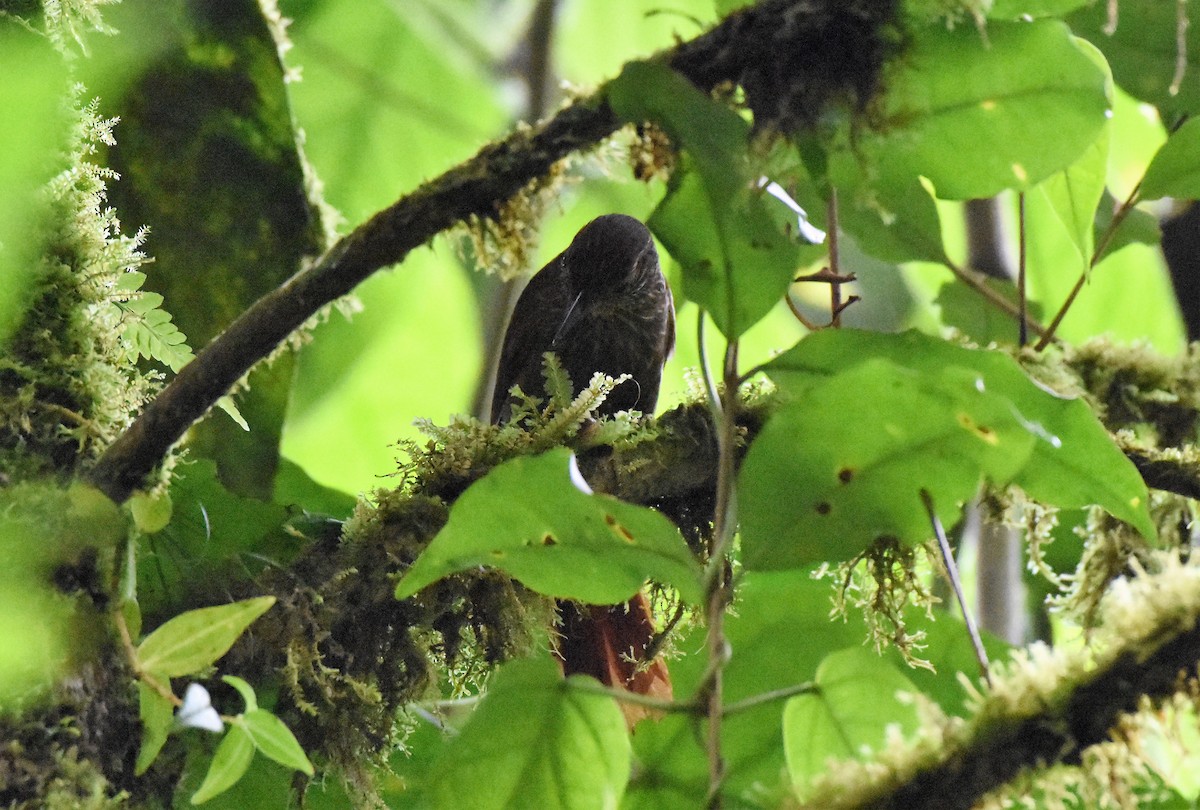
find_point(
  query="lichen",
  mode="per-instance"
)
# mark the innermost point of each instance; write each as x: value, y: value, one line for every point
x: 68, y: 378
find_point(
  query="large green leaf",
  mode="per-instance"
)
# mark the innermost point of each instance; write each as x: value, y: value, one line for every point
x: 972, y: 111
x: 845, y: 461
x: 535, y: 742
x: 737, y: 263
x: 528, y: 518
x: 1143, y: 52
x: 192, y: 641
x: 779, y: 630
x: 1175, y: 170
x: 848, y: 715
x: 844, y: 465
x: 1071, y: 197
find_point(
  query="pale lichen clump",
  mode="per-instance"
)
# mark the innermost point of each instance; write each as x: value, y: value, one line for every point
x: 69, y: 381
x: 462, y: 451
x: 1140, y: 613
x: 503, y: 243
x: 884, y: 582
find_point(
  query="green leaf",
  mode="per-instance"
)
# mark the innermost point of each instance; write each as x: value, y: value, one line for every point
x: 1138, y: 227
x: 1175, y: 170
x: 1142, y: 51
x: 844, y: 464
x: 244, y: 689
x: 156, y: 714
x: 275, y: 739
x: 1074, y: 462
x: 971, y: 114
x: 848, y: 717
x: 535, y: 742
x: 192, y: 641
x: 1072, y: 196
x: 859, y: 445
x: 891, y: 215
x: 529, y: 520
x: 229, y: 763
x: 737, y: 263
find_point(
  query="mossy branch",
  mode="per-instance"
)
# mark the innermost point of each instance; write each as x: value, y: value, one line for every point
x: 1048, y: 708
x: 755, y: 48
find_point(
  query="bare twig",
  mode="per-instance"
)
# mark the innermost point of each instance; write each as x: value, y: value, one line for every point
x: 717, y: 593
x: 956, y: 585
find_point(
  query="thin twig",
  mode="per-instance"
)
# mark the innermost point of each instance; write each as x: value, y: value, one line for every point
x: 656, y: 644
x: 717, y: 594
x: 835, y: 288
x: 594, y: 687
x: 132, y: 657
x: 975, y: 280
x: 1022, y: 296
x: 768, y: 697
x: 956, y: 585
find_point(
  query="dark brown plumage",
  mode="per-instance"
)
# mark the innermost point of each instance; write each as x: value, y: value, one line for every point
x: 600, y: 305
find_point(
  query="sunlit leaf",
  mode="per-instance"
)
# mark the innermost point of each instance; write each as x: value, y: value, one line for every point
x: 276, y: 741
x: 970, y: 110
x: 737, y: 263
x: 535, y: 741
x: 229, y: 763
x: 1072, y: 195
x: 845, y: 464
x: 848, y: 715
x: 529, y: 520
x: 876, y: 418
x: 192, y: 641
x: 156, y: 714
x: 1175, y: 170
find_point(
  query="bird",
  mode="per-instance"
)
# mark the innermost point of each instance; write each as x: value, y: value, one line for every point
x: 602, y: 305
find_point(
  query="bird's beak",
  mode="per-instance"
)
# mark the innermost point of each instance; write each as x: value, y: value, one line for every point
x: 572, y: 315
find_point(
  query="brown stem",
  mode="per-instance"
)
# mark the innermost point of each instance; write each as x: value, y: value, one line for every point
x: 717, y: 592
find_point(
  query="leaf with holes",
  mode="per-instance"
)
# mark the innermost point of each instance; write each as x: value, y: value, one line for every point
x: 872, y: 419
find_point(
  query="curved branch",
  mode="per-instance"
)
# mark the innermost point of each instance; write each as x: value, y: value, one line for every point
x: 791, y: 57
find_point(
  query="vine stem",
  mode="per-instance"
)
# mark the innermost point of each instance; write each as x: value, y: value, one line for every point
x: 716, y: 584
x: 132, y: 656
x: 1022, y: 299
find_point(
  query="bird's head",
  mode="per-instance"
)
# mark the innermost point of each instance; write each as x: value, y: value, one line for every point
x: 608, y: 252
